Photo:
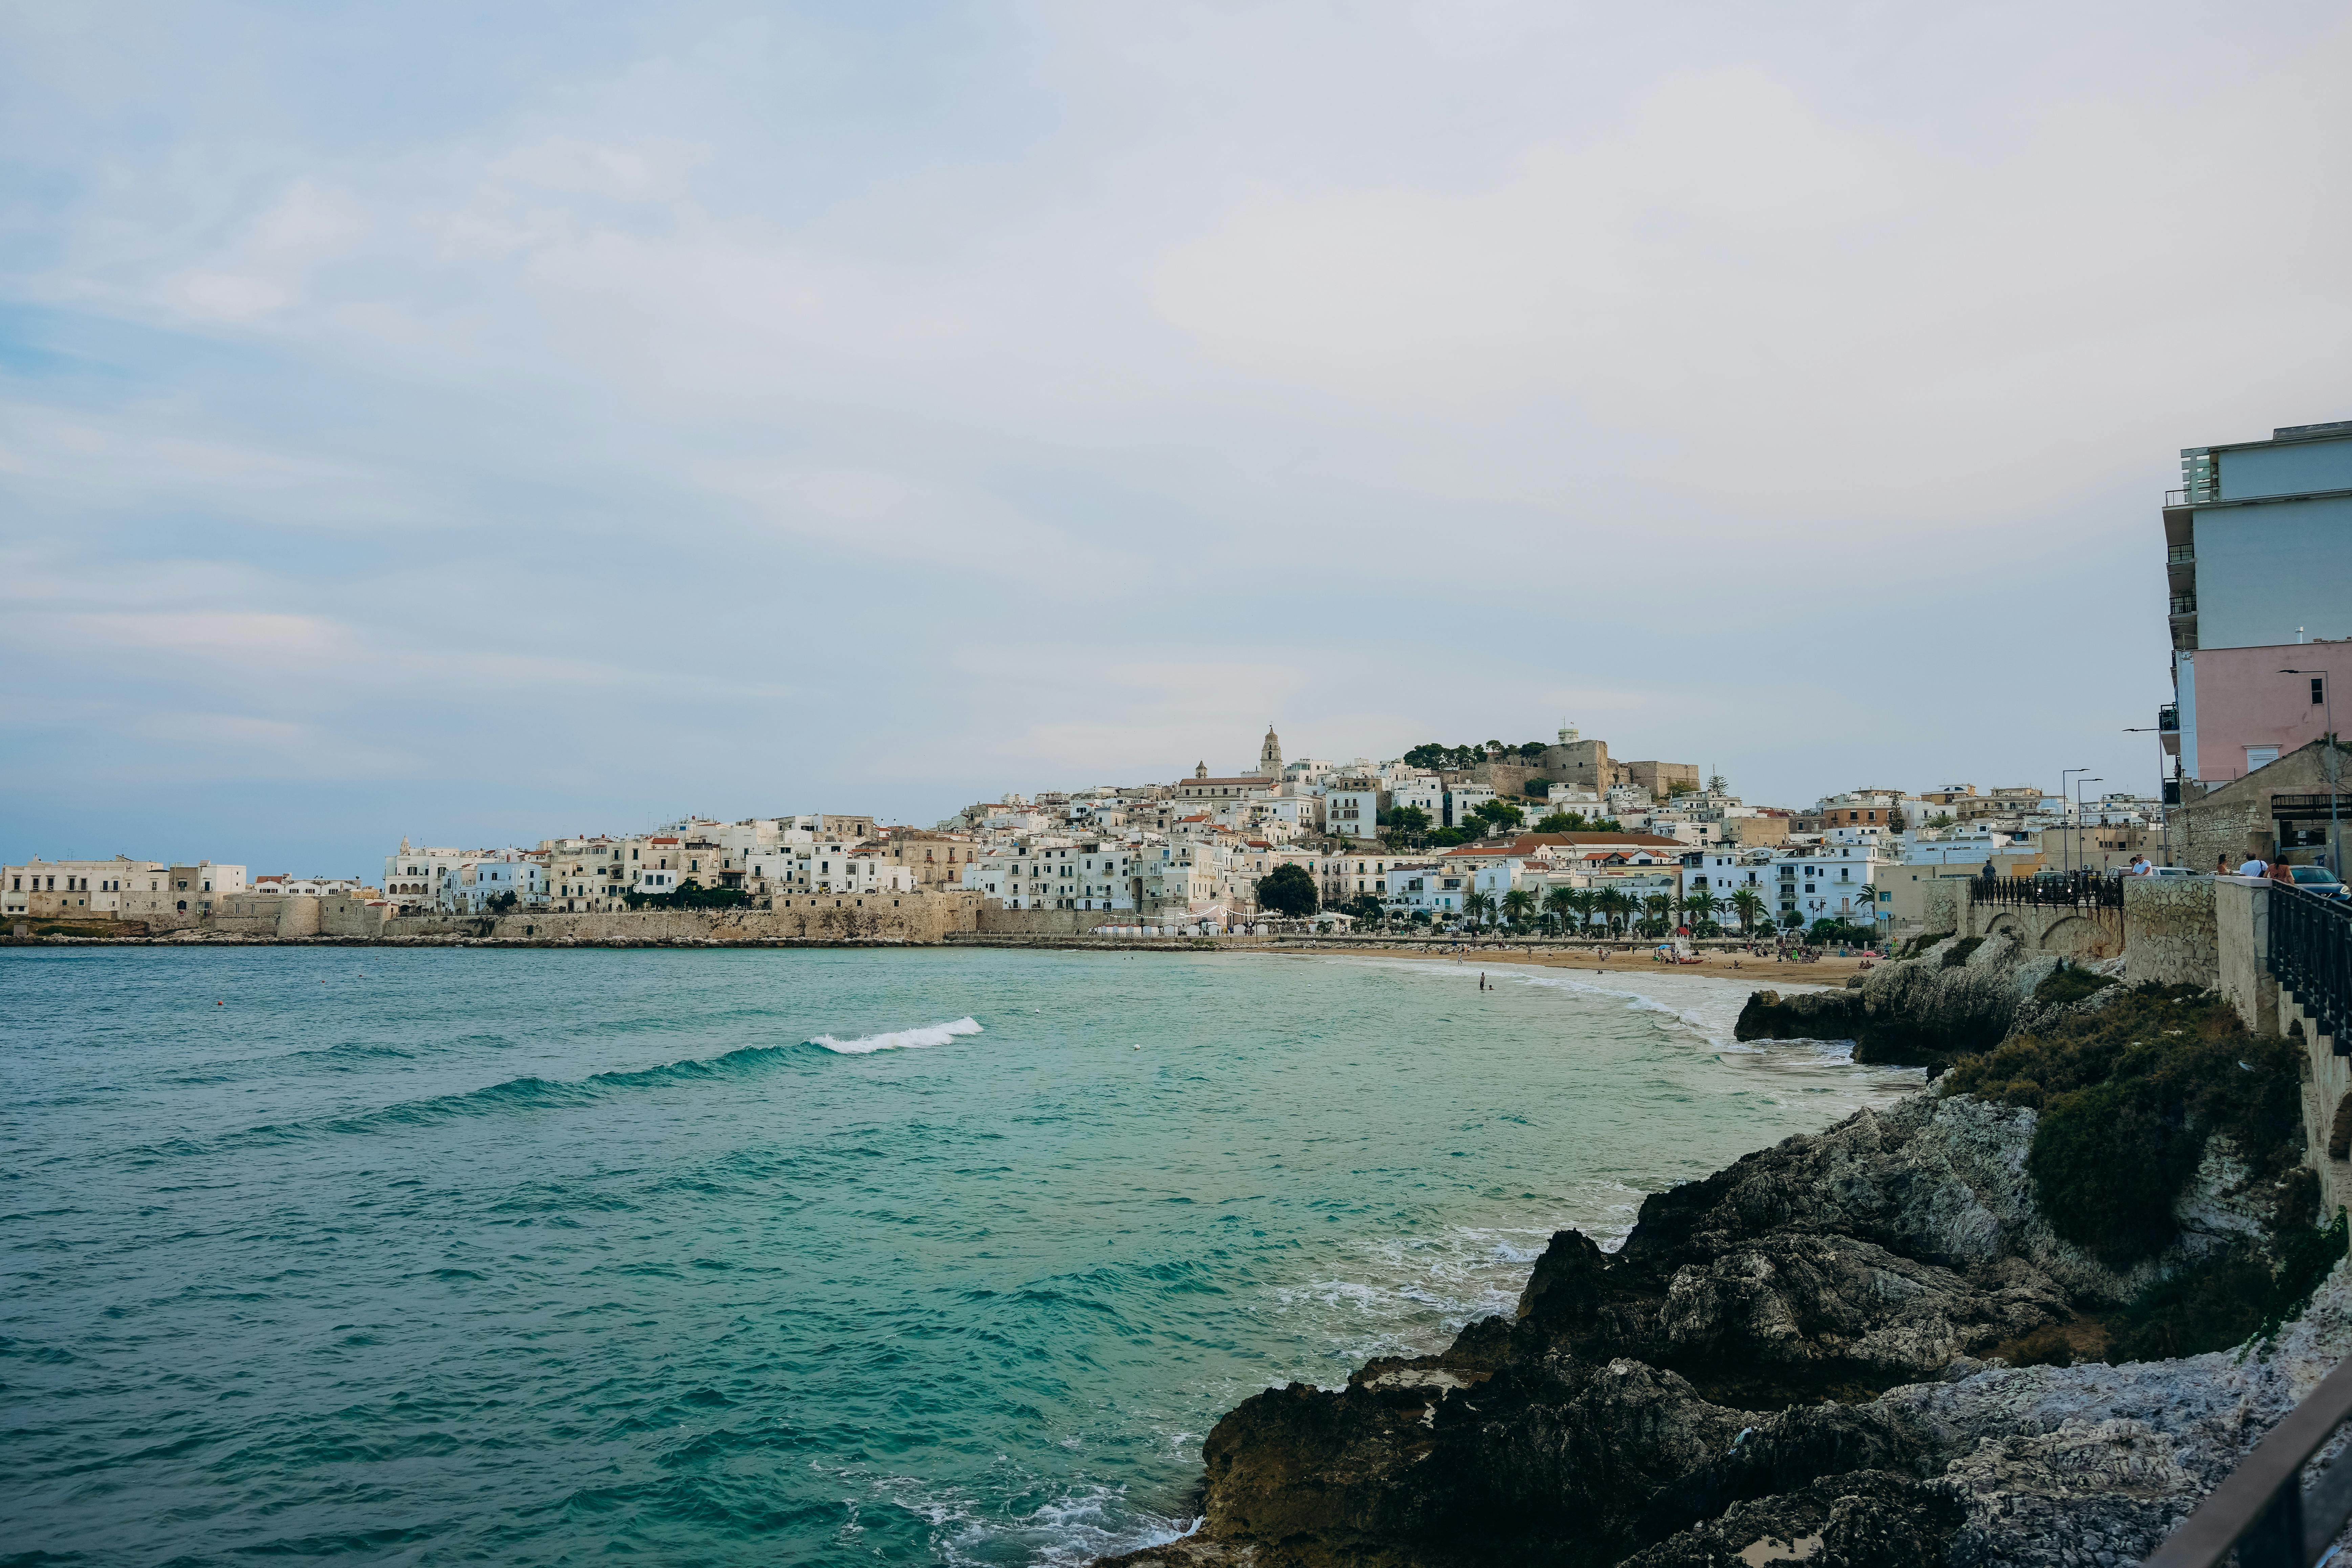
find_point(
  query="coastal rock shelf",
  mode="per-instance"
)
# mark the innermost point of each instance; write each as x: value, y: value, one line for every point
x: 1810, y: 1355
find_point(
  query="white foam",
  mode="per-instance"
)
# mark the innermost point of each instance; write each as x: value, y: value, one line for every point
x: 904, y: 1040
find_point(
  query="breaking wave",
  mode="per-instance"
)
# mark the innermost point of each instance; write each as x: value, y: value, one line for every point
x: 904, y: 1040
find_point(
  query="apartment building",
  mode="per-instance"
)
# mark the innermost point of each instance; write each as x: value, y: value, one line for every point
x: 2257, y: 561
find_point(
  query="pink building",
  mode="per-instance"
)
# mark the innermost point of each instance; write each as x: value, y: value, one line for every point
x: 2238, y: 710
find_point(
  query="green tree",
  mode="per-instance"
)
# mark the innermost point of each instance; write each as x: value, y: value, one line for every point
x: 1562, y: 822
x: 1700, y: 907
x: 1448, y: 837
x: 1287, y: 890
x: 1791, y: 921
x: 1428, y: 754
x: 1407, y: 826
x: 1536, y: 789
x: 1478, y: 907
x: 1493, y: 817
x: 1614, y: 905
x: 1895, y: 821
x: 1367, y: 910
x: 1659, y: 908
x: 1941, y: 819
x: 1587, y: 902
x: 1749, y: 904
x: 501, y: 903
x: 1560, y: 903
x: 1518, y: 904
x: 1531, y: 750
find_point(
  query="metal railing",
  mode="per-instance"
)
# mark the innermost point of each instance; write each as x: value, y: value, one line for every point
x: 2261, y: 1508
x: 2184, y: 604
x: 2311, y: 957
x: 2181, y: 555
x: 2080, y: 891
x: 2168, y: 717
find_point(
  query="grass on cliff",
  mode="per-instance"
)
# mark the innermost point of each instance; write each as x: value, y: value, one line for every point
x: 2128, y: 1095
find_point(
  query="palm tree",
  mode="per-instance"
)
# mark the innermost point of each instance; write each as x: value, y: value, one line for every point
x: 1561, y: 902
x: 1701, y: 906
x: 1749, y: 904
x: 1612, y: 904
x: 1518, y: 904
x: 1659, y: 908
x: 1477, y: 906
x: 1587, y: 901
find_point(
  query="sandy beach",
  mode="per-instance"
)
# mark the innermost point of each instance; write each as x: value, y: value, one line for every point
x: 1764, y: 972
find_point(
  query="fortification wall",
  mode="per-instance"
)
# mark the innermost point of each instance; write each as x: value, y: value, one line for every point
x: 2170, y: 923
x: 2078, y: 935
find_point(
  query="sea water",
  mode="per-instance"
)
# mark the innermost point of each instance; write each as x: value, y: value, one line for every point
x: 763, y: 1257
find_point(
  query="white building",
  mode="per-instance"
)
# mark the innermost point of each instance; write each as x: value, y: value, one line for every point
x: 468, y: 887
x: 1436, y: 890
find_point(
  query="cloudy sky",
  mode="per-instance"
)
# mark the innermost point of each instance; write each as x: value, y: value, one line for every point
x: 484, y: 423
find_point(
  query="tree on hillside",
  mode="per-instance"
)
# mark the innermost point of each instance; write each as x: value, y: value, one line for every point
x: 1429, y: 755
x: 1287, y: 890
x: 1495, y: 816
x: 1404, y: 824
x: 1529, y: 751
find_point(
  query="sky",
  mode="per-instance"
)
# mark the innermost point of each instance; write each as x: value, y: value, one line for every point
x: 484, y: 424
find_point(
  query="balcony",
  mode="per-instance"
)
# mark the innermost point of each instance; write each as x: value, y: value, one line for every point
x: 2181, y: 555
x: 2184, y: 604
x: 2167, y: 718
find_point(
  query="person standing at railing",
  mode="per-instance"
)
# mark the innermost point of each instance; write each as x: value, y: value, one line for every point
x: 2281, y: 871
x: 2255, y: 865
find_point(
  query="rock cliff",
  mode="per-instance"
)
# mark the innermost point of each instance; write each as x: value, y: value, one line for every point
x: 1957, y: 997
x: 1807, y: 1356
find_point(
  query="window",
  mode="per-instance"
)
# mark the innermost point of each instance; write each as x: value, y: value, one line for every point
x: 2318, y: 690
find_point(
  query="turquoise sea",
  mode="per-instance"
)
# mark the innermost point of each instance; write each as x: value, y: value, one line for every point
x: 698, y: 1257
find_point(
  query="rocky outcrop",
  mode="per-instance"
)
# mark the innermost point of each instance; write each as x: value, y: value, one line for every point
x: 1796, y: 1359
x: 1955, y: 998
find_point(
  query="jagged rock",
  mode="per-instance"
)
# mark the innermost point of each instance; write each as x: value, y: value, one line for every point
x: 1664, y: 1399
x: 1868, y: 1519
x: 1916, y: 1012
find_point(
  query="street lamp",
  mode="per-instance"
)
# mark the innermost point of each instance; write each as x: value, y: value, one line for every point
x: 2082, y: 859
x: 2164, y: 817
x: 2335, y: 826
x: 2062, y: 797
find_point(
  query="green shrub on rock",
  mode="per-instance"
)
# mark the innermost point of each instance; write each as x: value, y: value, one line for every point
x: 2129, y: 1095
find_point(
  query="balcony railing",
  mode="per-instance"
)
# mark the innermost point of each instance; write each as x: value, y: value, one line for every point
x: 2311, y: 957
x: 2080, y: 891
x: 2195, y: 495
x: 2184, y: 604
x: 2181, y: 555
x: 2168, y: 717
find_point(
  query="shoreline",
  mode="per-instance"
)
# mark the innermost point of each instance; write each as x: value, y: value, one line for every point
x: 1826, y: 974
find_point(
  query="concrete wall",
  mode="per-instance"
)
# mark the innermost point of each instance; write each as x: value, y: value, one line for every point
x: 2169, y: 931
x: 924, y: 916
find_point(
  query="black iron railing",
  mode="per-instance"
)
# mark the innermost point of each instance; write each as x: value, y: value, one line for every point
x: 2311, y: 957
x: 2168, y: 717
x: 2081, y: 891
x: 2261, y: 1508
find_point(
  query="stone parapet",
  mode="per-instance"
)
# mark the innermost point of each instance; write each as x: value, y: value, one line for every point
x: 2168, y: 921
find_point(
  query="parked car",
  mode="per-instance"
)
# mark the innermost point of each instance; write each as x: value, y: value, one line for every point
x: 2318, y: 879
x: 2169, y: 871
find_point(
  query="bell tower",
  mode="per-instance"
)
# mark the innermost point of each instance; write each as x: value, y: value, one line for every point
x: 1269, y: 756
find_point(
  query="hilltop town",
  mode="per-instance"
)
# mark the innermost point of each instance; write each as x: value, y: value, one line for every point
x: 1557, y: 834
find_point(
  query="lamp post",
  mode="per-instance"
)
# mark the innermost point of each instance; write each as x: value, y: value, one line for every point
x: 2080, y: 858
x: 2335, y: 825
x: 2062, y: 797
x: 2164, y: 817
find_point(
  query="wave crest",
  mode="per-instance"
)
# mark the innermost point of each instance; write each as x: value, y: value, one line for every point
x: 904, y: 1040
